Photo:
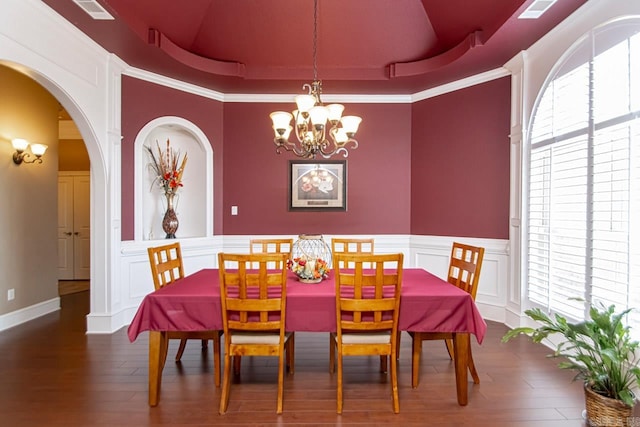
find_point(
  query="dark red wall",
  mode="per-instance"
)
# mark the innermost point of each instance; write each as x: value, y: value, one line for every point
x: 142, y: 102
x: 435, y: 167
x: 378, y: 175
x: 460, y: 162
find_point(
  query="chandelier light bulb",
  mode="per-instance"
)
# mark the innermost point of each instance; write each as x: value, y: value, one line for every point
x: 305, y: 102
x: 341, y: 136
x: 281, y: 120
x: 287, y: 132
x: 19, y: 144
x: 319, y: 115
x: 350, y: 124
x: 38, y: 149
x: 335, y: 112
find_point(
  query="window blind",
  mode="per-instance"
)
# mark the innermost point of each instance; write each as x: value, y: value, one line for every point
x: 584, y: 182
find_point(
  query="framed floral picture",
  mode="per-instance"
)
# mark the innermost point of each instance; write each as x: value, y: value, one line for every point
x: 318, y: 186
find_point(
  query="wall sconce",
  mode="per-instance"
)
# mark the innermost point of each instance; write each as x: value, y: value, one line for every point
x: 21, y: 145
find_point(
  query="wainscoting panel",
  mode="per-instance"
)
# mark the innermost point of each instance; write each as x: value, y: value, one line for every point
x: 428, y: 252
x: 432, y: 253
x: 136, y: 281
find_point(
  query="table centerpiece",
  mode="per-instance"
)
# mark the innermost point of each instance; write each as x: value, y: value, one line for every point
x: 309, y: 270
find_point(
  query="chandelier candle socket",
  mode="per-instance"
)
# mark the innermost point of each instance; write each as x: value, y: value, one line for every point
x: 313, y: 120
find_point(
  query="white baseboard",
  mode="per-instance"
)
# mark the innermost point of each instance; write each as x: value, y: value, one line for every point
x: 26, y: 314
x: 109, y: 323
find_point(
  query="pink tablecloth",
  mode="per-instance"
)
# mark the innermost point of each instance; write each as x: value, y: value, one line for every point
x: 428, y: 304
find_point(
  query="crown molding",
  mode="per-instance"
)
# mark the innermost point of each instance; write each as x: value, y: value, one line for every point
x: 359, y: 99
x: 159, y: 79
x: 487, y: 76
x: 282, y: 98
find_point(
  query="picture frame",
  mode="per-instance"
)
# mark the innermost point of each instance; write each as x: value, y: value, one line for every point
x: 318, y: 186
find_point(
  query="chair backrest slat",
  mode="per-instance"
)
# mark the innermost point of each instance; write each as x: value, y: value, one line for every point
x: 465, y: 266
x: 351, y: 246
x: 253, y: 292
x: 271, y: 246
x: 367, y: 291
x: 166, y: 264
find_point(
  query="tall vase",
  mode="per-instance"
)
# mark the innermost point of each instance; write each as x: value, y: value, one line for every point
x: 170, y: 219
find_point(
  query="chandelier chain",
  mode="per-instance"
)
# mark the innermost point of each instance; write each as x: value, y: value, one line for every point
x: 315, y: 40
x: 320, y: 130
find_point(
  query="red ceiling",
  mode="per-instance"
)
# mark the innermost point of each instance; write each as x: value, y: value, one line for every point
x: 364, y: 46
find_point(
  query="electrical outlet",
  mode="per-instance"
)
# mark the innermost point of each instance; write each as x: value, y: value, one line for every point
x: 11, y: 294
x: 234, y: 210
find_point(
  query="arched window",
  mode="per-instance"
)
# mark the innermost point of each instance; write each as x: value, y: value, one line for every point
x: 584, y: 177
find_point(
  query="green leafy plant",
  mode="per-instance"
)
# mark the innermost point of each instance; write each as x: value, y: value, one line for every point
x: 599, y: 349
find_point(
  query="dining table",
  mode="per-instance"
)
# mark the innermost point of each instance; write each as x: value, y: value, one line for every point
x: 427, y: 304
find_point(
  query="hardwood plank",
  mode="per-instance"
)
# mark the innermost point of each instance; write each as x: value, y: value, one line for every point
x: 53, y: 374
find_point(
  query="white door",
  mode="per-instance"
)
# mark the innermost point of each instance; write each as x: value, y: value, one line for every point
x: 65, y: 227
x: 81, y: 228
x: 73, y: 227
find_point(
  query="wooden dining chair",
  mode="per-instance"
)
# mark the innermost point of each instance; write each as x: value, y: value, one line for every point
x: 267, y: 246
x: 166, y: 268
x: 464, y: 272
x: 350, y: 246
x: 367, y: 307
x: 271, y: 246
x: 253, y: 314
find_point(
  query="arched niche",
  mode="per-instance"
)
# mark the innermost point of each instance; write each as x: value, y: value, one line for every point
x: 194, y: 204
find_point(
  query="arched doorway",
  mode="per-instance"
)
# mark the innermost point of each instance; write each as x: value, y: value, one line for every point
x: 35, y: 115
x: 74, y: 208
x: 89, y: 91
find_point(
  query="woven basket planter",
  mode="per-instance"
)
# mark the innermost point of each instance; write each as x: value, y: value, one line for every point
x: 603, y: 411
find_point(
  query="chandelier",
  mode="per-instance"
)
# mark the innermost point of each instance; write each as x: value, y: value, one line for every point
x: 319, y: 129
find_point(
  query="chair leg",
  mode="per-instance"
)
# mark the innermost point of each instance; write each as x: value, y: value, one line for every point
x: 216, y: 360
x: 226, y: 384
x: 236, y: 364
x: 394, y: 383
x: 339, y: 386
x: 471, y: 365
x: 332, y: 352
x: 415, y: 358
x: 157, y: 353
x: 472, y: 368
x: 449, y: 344
x: 281, y: 365
x: 164, y: 349
x: 290, y: 350
x: 398, y: 345
x: 183, y: 344
x: 383, y: 364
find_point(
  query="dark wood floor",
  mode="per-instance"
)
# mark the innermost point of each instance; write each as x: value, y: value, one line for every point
x: 53, y: 374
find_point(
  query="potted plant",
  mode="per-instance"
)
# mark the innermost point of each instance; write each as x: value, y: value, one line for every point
x: 602, y: 353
